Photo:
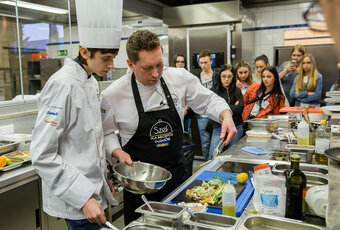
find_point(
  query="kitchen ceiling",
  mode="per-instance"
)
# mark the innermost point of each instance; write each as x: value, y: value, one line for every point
x: 133, y: 9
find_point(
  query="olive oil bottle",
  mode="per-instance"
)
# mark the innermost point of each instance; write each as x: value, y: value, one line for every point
x: 295, y: 183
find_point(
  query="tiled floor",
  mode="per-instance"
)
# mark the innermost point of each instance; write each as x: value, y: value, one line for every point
x: 119, y: 218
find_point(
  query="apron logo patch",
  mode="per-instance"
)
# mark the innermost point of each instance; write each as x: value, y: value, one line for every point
x: 161, y: 133
x: 51, y: 118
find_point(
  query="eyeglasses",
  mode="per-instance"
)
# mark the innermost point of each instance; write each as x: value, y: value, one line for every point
x: 315, y: 17
x: 225, y: 77
x: 180, y: 61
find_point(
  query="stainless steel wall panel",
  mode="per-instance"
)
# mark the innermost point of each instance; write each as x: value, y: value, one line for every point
x: 198, y: 14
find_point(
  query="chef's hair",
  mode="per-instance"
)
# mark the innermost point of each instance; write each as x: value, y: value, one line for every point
x: 141, y: 40
x: 93, y: 51
x: 205, y: 53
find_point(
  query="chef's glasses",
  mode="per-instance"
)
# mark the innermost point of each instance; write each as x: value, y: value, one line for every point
x: 315, y: 17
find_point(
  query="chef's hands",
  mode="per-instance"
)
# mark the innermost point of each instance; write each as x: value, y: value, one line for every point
x: 94, y: 212
x: 227, y: 126
x: 122, y: 156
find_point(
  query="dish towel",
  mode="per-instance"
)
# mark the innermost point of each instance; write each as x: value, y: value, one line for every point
x: 254, y: 150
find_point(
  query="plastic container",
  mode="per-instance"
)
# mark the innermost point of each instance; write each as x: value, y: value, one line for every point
x: 322, y: 142
x: 229, y: 200
x: 303, y: 133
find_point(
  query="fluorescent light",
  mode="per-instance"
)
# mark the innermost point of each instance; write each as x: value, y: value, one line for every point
x: 34, y: 6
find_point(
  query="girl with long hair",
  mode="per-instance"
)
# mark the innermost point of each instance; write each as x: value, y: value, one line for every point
x: 179, y: 61
x: 265, y: 98
x: 244, y: 75
x: 288, y: 70
x: 225, y: 87
x: 260, y: 63
x: 307, y: 87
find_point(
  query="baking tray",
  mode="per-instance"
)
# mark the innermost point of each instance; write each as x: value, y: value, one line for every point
x: 21, y: 154
x: 16, y: 162
x: 8, y: 146
x: 242, y: 198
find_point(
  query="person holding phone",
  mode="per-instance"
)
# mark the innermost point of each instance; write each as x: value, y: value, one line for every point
x: 307, y: 87
x: 288, y: 71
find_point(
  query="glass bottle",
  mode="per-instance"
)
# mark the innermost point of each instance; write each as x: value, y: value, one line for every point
x: 322, y: 142
x: 295, y: 183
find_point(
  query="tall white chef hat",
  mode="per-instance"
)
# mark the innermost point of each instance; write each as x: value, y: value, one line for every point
x: 99, y: 23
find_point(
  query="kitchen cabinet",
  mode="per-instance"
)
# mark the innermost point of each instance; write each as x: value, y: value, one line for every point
x: 39, y: 71
x: 20, y: 207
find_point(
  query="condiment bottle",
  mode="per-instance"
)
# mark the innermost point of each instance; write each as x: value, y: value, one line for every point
x: 303, y: 132
x: 322, y: 142
x: 229, y: 200
x: 295, y: 183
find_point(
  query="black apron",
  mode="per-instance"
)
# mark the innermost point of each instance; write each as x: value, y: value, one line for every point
x: 158, y: 140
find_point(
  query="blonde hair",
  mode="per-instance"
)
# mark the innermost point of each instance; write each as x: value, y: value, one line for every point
x: 313, y: 76
x: 299, y: 48
x: 241, y: 64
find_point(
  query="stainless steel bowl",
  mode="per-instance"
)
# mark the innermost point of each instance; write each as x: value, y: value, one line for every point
x: 141, y: 178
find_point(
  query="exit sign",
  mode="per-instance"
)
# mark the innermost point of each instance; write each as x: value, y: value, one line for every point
x: 62, y: 52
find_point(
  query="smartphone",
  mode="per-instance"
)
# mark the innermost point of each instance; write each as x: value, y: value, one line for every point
x: 293, y: 62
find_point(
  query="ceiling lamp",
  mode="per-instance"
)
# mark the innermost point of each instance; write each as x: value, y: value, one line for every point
x: 34, y: 6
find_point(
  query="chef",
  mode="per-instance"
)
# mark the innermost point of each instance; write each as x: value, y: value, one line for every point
x: 67, y: 145
x: 147, y: 107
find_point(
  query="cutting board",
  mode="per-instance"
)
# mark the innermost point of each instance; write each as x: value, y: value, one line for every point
x: 181, y: 197
x: 246, y: 191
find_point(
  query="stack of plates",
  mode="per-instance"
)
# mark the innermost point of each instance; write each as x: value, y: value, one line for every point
x: 334, y: 97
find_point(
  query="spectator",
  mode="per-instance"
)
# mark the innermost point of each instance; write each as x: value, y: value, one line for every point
x: 307, y: 87
x: 336, y: 85
x: 207, y: 77
x: 226, y: 88
x: 288, y: 70
x: 179, y: 61
x: 244, y: 75
x: 265, y: 98
x: 260, y: 63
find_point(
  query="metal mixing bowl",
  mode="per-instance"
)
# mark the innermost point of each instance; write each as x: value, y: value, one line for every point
x: 141, y: 178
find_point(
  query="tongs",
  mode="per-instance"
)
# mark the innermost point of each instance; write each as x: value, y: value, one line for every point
x: 217, y: 151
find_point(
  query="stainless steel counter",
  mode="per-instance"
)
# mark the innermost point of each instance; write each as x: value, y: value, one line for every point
x: 17, y: 177
x: 239, y: 156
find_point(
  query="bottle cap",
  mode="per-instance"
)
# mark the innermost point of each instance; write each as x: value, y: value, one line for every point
x: 323, y: 122
x: 295, y: 158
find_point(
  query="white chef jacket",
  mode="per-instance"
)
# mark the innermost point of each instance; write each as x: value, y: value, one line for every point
x: 67, y: 147
x: 119, y: 110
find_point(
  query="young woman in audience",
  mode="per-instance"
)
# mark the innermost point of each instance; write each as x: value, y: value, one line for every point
x: 336, y: 85
x: 179, y: 61
x: 288, y: 70
x: 244, y: 75
x: 225, y: 87
x: 265, y: 98
x: 307, y: 87
x: 260, y: 63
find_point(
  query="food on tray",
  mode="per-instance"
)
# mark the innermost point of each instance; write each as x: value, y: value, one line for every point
x: 194, y: 207
x: 209, y: 192
x: 242, y: 178
x: 280, y: 155
x: 23, y: 154
x: 3, y: 161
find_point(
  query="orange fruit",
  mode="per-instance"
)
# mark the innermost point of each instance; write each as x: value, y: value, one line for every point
x: 3, y: 161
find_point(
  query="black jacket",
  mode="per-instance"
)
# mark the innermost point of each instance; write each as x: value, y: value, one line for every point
x: 214, y: 77
x: 236, y: 109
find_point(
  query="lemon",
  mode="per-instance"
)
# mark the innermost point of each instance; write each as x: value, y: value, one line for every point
x: 8, y: 161
x: 242, y: 178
